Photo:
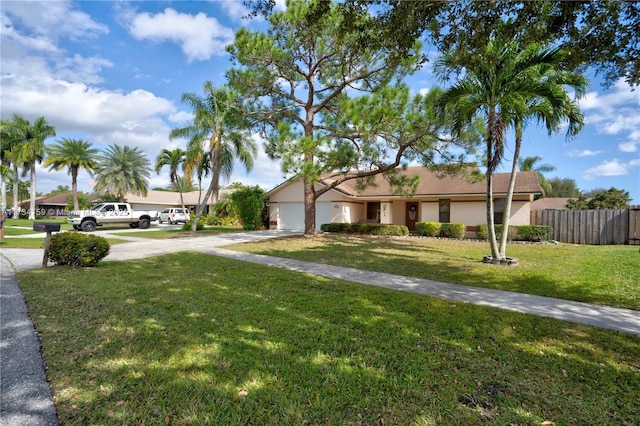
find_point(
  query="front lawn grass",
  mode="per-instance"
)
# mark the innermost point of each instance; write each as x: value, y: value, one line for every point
x: 25, y: 226
x: 189, y: 338
x: 38, y: 243
x: 605, y: 275
x: 166, y: 234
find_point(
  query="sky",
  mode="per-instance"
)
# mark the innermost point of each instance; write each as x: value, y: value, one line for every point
x: 113, y: 72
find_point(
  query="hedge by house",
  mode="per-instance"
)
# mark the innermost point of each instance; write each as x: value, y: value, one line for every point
x: 532, y: 233
x: 437, y: 229
x: 76, y: 249
x: 427, y: 229
x: 365, y: 228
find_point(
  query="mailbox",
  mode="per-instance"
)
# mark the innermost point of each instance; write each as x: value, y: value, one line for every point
x: 46, y: 226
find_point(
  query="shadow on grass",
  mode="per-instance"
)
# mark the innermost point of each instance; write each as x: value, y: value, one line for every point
x: 544, y: 270
x: 190, y: 338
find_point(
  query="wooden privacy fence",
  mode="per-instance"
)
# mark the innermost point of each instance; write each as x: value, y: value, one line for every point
x: 599, y: 227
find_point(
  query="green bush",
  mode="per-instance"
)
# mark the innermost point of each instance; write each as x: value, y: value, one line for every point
x: 482, y: 232
x: 199, y: 226
x: 452, y: 230
x: 213, y: 220
x: 535, y: 233
x: 76, y: 249
x: 365, y: 229
x: 249, y: 203
x: 518, y: 233
x: 428, y: 229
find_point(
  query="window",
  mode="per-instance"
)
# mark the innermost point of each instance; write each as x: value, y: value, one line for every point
x: 498, y: 211
x: 444, y: 209
x: 373, y: 212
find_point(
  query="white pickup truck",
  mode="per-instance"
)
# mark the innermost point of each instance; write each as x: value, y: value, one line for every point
x: 110, y: 214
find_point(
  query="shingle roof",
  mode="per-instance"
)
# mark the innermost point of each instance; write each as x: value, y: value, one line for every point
x: 550, y: 204
x: 60, y: 199
x: 433, y: 183
x: 170, y: 198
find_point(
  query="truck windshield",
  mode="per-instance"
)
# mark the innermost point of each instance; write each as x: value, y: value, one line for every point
x: 97, y: 207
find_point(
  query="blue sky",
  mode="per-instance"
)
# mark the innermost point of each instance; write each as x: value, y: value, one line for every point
x: 113, y: 72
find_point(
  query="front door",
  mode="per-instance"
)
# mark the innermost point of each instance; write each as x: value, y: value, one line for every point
x: 412, y: 215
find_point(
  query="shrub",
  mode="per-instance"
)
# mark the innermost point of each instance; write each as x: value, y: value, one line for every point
x: 76, y: 249
x: 428, y: 229
x: 249, y: 203
x: 452, y: 230
x: 534, y: 233
x: 199, y: 226
x: 482, y: 232
x: 365, y: 228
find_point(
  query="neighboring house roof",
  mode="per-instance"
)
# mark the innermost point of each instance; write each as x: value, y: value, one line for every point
x: 173, y: 198
x: 59, y: 199
x: 433, y: 183
x: 550, y: 204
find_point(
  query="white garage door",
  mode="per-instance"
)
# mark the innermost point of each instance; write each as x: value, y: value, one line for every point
x: 291, y: 215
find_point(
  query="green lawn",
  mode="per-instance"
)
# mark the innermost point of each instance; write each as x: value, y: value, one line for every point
x: 165, y: 234
x: 607, y: 275
x: 194, y: 339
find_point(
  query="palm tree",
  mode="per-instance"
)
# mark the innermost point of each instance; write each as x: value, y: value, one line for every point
x: 173, y: 159
x: 219, y: 129
x: 531, y: 164
x: 74, y: 154
x: 6, y: 142
x: 32, y: 150
x: 507, y: 87
x: 122, y: 169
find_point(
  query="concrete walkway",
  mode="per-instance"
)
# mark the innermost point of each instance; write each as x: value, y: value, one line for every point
x: 26, y: 398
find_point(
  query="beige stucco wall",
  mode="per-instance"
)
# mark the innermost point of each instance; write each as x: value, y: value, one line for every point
x: 294, y: 193
x: 471, y: 213
x: 520, y: 213
x: 429, y: 211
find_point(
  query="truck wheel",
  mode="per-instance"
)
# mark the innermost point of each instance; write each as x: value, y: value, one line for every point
x: 160, y: 221
x: 88, y: 226
x: 133, y: 225
x: 77, y: 227
x: 144, y: 223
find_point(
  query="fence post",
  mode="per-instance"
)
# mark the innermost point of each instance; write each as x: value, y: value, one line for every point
x: 634, y: 225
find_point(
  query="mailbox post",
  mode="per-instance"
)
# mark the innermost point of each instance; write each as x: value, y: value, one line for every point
x: 47, y: 227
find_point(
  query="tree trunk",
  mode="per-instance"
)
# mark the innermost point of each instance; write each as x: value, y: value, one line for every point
x: 32, y: 198
x: 491, y: 228
x: 512, y: 184
x: 213, y: 187
x: 309, y: 208
x: 16, y: 208
x: 74, y: 187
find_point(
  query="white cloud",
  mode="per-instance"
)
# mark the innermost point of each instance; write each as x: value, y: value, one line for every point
x: 235, y: 9
x: 615, y: 113
x: 57, y: 19
x: 610, y: 168
x: 584, y: 153
x: 200, y: 37
x: 630, y: 146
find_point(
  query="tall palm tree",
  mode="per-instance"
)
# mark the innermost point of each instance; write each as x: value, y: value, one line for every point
x: 74, y: 154
x: 15, y: 150
x: 6, y: 142
x: 532, y: 164
x: 508, y: 87
x: 173, y: 159
x: 219, y: 129
x: 122, y: 169
x: 32, y: 150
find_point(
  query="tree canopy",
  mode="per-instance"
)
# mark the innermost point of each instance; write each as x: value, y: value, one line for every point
x: 601, y: 199
x: 330, y: 103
